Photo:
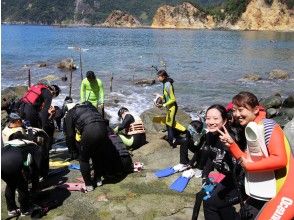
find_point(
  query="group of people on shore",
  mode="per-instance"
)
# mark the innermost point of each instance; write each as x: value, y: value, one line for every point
x: 237, y: 141
x: 28, y: 137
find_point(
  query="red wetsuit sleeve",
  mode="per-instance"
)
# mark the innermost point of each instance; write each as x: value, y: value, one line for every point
x: 236, y: 151
x: 277, y: 154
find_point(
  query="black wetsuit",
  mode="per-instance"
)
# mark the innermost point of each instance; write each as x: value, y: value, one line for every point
x: 199, y: 155
x: 139, y: 139
x: 89, y: 122
x: 220, y: 205
x: 16, y: 174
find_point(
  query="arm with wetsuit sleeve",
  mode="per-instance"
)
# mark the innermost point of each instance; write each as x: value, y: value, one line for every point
x: 70, y: 129
x: 170, y: 92
x: 101, y: 92
x: 47, y: 97
x: 277, y: 154
x: 129, y: 119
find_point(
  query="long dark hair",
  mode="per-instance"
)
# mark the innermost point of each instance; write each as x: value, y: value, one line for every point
x: 221, y: 109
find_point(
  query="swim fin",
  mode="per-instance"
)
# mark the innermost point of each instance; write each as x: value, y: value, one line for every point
x: 165, y: 172
x: 180, y: 184
x: 74, y: 166
x: 58, y: 163
x: 162, y: 120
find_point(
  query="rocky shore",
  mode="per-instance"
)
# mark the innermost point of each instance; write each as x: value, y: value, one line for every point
x: 139, y: 195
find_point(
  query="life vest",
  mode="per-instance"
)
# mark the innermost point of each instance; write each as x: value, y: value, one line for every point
x: 33, y: 93
x: 137, y: 127
x: 7, y: 132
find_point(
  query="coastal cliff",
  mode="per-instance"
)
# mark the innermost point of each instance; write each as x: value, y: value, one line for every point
x: 258, y: 15
x: 121, y: 19
x: 181, y: 16
x: 262, y: 16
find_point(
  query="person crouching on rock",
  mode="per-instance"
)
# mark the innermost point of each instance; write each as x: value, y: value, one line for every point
x: 22, y: 161
x: 134, y: 136
x: 85, y: 120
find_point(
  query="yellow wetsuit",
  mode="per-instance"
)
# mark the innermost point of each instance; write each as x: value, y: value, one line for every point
x: 169, y: 102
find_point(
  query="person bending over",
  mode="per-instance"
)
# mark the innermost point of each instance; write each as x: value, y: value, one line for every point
x: 85, y: 120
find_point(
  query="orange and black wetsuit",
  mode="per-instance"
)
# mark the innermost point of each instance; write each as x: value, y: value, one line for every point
x: 280, y: 161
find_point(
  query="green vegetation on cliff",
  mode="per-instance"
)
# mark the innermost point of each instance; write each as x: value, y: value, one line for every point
x: 95, y: 12
x: 90, y: 11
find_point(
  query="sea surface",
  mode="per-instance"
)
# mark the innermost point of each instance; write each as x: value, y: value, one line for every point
x: 206, y: 65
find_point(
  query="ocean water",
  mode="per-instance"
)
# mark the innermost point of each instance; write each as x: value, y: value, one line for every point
x: 206, y: 65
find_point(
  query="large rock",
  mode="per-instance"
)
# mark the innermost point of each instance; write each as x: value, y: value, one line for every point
x: 144, y: 82
x: 252, y: 77
x: 289, y: 132
x: 121, y: 19
x: 278, y: 74
x: 282, y: 120
x: 4, y: 118
x: 274, y: 101
x: 289, y: 112
x: 181, y: 16
x: 289, y: 101
x: 67, y: 63
x: 148, y: 115
x: 10, y: 94
x: 262, y: 16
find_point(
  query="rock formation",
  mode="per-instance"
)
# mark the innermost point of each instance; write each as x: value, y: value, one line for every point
x: 181, y: 16
x: 121, y: 19
x: 262, y: 16
x: 258, y: 16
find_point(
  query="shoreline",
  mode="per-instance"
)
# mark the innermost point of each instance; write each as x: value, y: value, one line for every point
x: 72, y: 25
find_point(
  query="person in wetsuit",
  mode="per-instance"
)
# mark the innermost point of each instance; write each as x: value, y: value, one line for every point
x: 226, y: 194
x: 22, y: 161
x: 92, y: 90
x: 169, y: 102
x: 85, y: 122
x: 134, y: 136
x: 36, y: 103
x: 246, y: 109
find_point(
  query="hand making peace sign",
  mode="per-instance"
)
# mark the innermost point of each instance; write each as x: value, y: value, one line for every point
x: 225, y: 137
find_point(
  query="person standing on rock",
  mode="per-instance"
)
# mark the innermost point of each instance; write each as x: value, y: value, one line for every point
x: 85, y: 123
x: 36, y: 102
x: 92, y: 90
x: 134, y: 136
x: 169, y: 102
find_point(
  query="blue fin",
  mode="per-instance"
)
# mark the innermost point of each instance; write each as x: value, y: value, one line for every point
x: 179, y: 184
x: 165, y: 172
x: 74, y: 166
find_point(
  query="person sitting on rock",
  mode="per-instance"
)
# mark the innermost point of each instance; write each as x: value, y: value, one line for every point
x: 88, y: 122
x: 195, y: 142
x: 134, y: 136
